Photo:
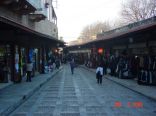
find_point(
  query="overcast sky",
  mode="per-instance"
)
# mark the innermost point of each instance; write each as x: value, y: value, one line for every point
x: 74, y: 15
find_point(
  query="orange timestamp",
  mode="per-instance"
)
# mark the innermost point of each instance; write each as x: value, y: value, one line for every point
x: 136, y: 104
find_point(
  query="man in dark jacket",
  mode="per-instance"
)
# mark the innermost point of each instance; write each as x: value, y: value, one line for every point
x: 72, y: 65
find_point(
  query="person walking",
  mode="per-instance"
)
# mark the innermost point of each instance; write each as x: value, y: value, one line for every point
x: 72, y: 65
x: 29, y: 68
x: 57, y: 62
x: 6, y: 72
x: 99, y: 73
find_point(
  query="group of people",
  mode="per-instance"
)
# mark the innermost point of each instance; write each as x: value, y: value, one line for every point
x: 143, y: 68
x: 99, y: 70
x: 52, y: 64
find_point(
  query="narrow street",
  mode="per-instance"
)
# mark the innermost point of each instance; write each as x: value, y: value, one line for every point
x: 80, y: 95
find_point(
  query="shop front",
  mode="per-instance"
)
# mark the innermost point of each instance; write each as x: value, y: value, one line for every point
x: 18, y: 44
x: 5, y: 63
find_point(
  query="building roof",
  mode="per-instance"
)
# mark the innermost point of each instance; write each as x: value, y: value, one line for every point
x: 151, y: 23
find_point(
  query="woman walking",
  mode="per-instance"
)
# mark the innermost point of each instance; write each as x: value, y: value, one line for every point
x: 99, y: 73
x: 29, y: 70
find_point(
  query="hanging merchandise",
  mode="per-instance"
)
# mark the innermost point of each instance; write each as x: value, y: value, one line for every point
x: 148, y: 73
x: 123, y: 68
x: 17, y: 62
x: 2, y: 58
x: 32, y: 59
x: 31, y: 55
x: 23, y: 62
x: 2, y: 53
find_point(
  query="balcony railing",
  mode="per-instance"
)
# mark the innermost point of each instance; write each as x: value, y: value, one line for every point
x: 37, y: 16
x: 22, y: 7
x: 40, y: 13
x: 35, y: 3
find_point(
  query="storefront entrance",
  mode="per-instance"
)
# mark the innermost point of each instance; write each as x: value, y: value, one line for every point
x: 5, y: 63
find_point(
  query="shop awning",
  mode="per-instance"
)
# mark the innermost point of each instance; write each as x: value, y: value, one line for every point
x: 140, y: 28
x: 142, y: 33
x: 9, y: 26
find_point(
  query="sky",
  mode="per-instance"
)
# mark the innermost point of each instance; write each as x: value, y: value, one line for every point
x: 74, y: 15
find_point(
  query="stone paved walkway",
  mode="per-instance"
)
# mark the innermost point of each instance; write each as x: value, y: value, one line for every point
x: 15, y: 94
x: 80, y: 95
x: 148, y: 91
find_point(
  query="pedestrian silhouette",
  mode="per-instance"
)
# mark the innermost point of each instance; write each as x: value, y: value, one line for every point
x: 29, y: 70
x: 99, y: 73
x: 72, y: 65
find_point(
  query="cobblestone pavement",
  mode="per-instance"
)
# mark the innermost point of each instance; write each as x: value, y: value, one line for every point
x: 80, y: 95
